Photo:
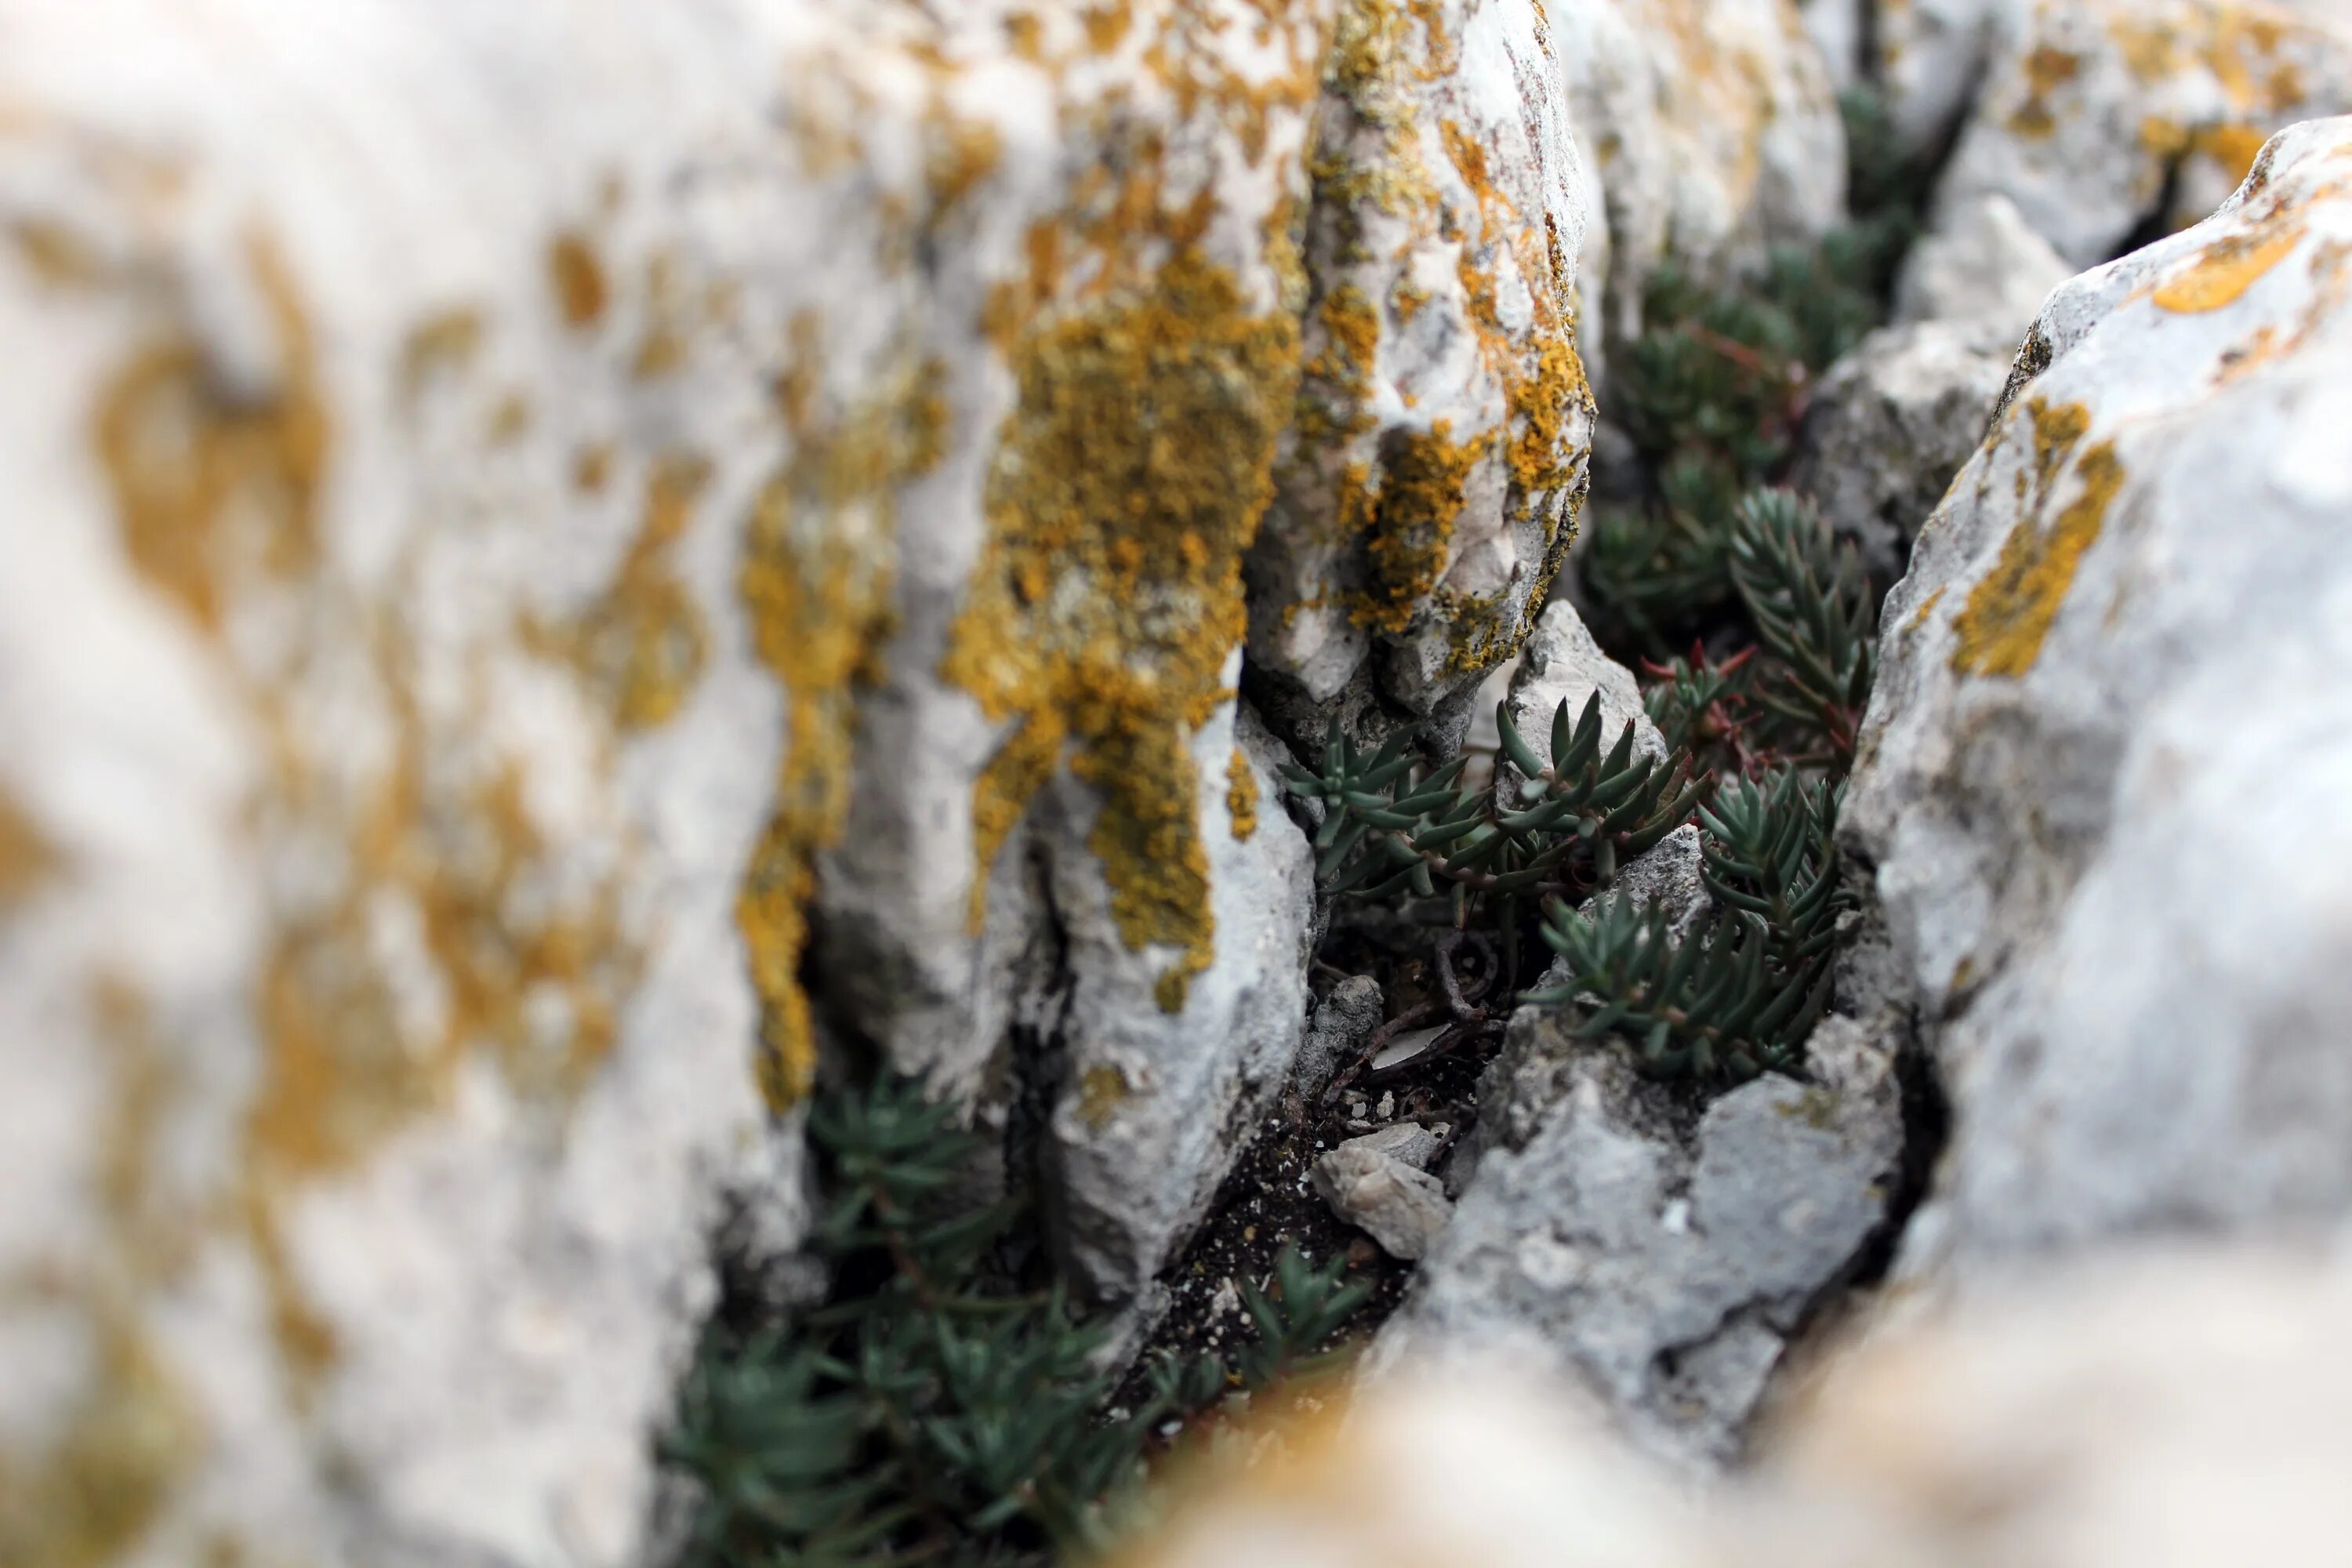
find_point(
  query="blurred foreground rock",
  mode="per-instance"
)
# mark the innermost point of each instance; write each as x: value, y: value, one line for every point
x: 2156, y: 1411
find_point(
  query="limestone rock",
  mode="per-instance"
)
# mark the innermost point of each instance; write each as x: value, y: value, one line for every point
x: 1402, y: 1207
x: 1665, y: 1263
x: 1712, y: 133
x: 531, y: 530
x: 2102, y: 774
x: 1892, y: 422
x: 1428, y: 491
x: 1343, y: 1021
x: 1669, y: 873
x: 1982, y: 265
x: 1563, y: 664
x: 1930, y: 59
x: 2099, y: 116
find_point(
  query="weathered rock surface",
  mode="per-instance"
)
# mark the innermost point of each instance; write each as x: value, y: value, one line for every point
x: 1428, y: 491
x: 1563, y: 664
x: 1665, y: 1260
x: 1892, y: 422
x: 2103, y: 771
x: 2100, y: 117
x: 2175, y: 1410
x: 1400, y: 1205
x: 1343, y: 1021
x: 536, y: 543
x: 1712, y: 131
x: 1982, y: 265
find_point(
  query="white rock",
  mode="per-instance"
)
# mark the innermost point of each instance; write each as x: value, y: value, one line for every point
x: 1563, y: 664
x: 1982, y: 265
x: 1892, y: 422
x: 1408, y: 1143
x: 1560, y: 1247
x: 2103, y: 771
x: 1400, y: 1206
x: 1429, y: 491
x: 2098, y: 116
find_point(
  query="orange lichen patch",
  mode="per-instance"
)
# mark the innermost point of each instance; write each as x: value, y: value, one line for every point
x: 816, y: 583
x: 58, y: 256
x: 1127, y: 485
x: 2220, y: 275
x: 958, y: 155
x: 1927, y: 609
x: 2047, y: 69
x: 509, y: 420
x: 1420, y: 497
x: 577, y: 278
x: 205, y: 489
x: 1102, y: 1089
x: 2010, y: 612
x: 1241, y: 794
x: 27, y: 859
x: 643, y: 645
x: 441, y: 344
x: 592, y: 467
x: 123, y: 1449
x: 2233, y: 147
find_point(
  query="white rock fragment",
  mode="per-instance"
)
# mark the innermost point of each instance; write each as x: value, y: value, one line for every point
x: 1401, y: 1207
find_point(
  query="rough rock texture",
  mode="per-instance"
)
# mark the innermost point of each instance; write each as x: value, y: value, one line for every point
x: 1712, y: 130
x: 2103, y: 773
x: 1428, y: 491
x: 1563, y: 664
x: 1664, y: 1259
x: 2166, y: 1411
x: 1983, y: 265
x: 1343, y: 1021
x: 1400, y: 1205
x: 534, y: 529
x: 1892, y: 422
x: 2099, y: 116
x: 1669, y: 873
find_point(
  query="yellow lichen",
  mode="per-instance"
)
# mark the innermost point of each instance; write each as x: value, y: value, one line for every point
x: 2047, y: 69
x: 58, y: 256
x: 577, y: 278
x: 643, y: 643
x: 816, y: 581
x: 1419, y: 499
x: 28, y: 860
x: 1102, y: 1089
x: 1241, y: 794
x: 1127, y: 485
x: 441, y: 344
x: 1927, y: 609
x: 2222, y: 273
x: 208, y: 490
x: 2009, y: 614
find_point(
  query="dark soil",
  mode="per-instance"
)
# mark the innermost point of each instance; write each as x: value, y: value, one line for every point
x: 1266, y: 1200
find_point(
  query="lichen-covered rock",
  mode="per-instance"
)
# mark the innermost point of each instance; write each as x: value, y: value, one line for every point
x: 1666, y: 1263
x: 2103, y: 771
x: 2099, y: 116
x: 1927, y: 57
x: 1711, y: 131
x: 1428, y: 491
x: 1892, y: 422
x: 538, y: 538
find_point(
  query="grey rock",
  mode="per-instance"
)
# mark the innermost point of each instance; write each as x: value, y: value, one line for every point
x: 2103, y: 772
x: 1890, y: 426
x: 1408, y: 1143
x: 1669, y: 873
x: 1666, y: 1263
x: 1401, y: 1207
x: 1343, y: 1021
x: 1983, y: 264
x: 1562, y: 663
